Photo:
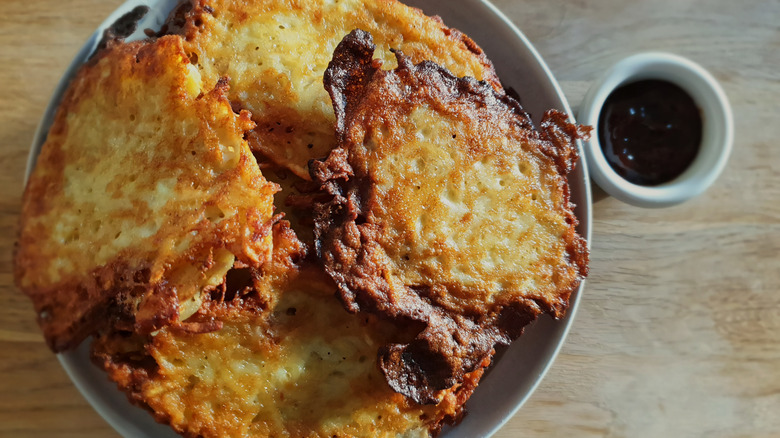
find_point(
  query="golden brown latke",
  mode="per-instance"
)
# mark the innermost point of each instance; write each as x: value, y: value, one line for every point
x: 143, y: 196
x: 294, y: 366
x: 276, y: 51
x: 448, y: 208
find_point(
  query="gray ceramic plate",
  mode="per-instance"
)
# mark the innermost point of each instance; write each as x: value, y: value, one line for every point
x: 520, y: 368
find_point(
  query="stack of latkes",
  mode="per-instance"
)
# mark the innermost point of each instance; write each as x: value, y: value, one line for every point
x: 297, y: 218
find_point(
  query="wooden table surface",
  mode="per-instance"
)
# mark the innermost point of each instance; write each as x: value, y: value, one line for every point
x: 678, y: 333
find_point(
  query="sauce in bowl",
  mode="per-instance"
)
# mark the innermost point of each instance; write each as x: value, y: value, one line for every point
x: 650, y: 131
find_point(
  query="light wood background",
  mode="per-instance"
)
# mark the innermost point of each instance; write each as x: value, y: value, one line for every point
x: 678, y: 333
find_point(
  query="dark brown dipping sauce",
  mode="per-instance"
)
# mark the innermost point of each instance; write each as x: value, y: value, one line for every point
x: 650, y: 131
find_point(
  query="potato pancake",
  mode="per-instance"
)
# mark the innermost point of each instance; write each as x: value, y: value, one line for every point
x: 439, y: 215
x: 447, y: 208
x: 143, y: 196
x: 299, y: 366
x: 276, y: 51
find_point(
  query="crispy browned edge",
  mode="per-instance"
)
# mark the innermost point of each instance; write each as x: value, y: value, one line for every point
x: 102, y: 296
x: 132, y: 370
x: 89, y: 303
x: 126, y: 358
x: 124, y: 354
x: 186, y: 20
x: 450, y: 345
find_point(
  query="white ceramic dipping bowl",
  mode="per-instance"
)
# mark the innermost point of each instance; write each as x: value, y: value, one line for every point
x: 717, y: 128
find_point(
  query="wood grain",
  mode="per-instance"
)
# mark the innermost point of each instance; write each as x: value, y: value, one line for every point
x: 678, y: 333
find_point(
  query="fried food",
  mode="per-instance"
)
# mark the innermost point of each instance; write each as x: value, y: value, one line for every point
x: 298, y: 366
x: 447, y: 209
x: 276, y: 51
x: 143, y: 196
x: 443, y: 217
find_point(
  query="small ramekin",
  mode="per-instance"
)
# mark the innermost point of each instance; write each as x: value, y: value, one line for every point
x: 717, y: 128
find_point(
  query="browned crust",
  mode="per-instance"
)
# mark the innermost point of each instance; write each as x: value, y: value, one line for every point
x: 459, y: 395
x: 68, y: 311
x: 278, y: 127
x: 121, y: 28
x: 126, y: 356
x: 490, y: 75
x: 186, y: 18
x: 452, y: 344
